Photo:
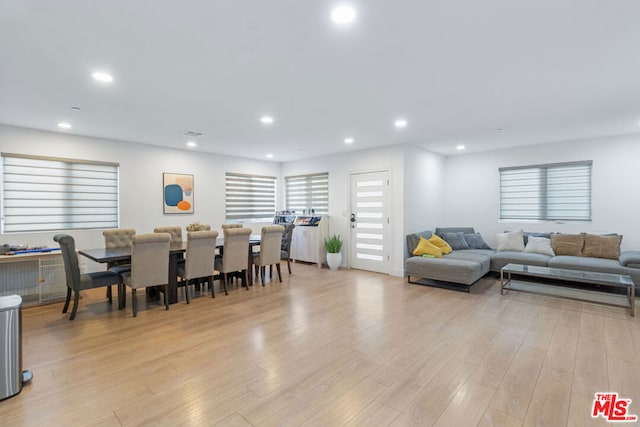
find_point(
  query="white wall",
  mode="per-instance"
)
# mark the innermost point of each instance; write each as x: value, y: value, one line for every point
x: 472, y: 187
x: 340, y: 166
x: 141, y: 168
x: 423, y: 190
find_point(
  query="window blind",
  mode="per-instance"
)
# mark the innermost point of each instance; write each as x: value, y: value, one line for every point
x: 560, y: 191
x: 46, y: 193
x: 250, y: 197
x: 306, y: 192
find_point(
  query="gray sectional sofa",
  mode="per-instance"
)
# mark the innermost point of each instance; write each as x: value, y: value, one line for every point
x: 462, y: 268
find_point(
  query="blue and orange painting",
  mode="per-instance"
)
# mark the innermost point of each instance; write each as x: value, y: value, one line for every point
x: 178, y: 193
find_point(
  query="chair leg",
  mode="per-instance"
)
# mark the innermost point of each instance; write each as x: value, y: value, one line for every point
x: 278, y: 270
x: 223, y: 279
x: 109, y: 294
x: 186, y: 291
x: 289, y: 264
x: 213, y: 292
x: 134, y: 302
x: 66, y: 303
x: 166, y: 295
x: 256, y: 269
x: 245, y: 279
x: 270, y: 271
x: 263, y: 271
x: 76, y: 297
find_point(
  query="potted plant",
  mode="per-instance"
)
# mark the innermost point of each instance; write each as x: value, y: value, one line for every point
x: 333, y: 245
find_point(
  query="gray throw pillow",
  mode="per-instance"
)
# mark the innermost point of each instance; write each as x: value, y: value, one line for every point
x: 475, y: 241
x: 455, y: 240
x: 528, y: 234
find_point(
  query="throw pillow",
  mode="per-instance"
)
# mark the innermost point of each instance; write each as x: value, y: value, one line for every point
x: 426, y: 248
x: 539, y: 245
x: 510, y: 241
x: 475, y: 241
x: 437, y: 241
x: 602, y: 246
x: 567, y: 244
x: 455, y: 240
x: 527, y: 234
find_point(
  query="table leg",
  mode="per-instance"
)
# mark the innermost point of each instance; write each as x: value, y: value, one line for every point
x: 250, y: 267
x: 173, y: 278
x: 501, y: 282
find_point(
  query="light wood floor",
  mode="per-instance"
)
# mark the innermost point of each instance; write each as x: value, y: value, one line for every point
x: 328, y: 349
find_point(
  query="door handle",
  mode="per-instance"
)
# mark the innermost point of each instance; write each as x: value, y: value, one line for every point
x: 353, y: 220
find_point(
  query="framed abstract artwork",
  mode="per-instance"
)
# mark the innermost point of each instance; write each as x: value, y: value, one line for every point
x: 177, y: 190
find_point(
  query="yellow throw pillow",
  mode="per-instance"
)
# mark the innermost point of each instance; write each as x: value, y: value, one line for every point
x: 440, y: 243
x: 426, y: 248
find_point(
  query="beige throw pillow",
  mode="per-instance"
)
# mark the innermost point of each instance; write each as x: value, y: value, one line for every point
x: 539, y: 245
x: 510, y: 241
x: 602, y: 246
x: 567, y: 244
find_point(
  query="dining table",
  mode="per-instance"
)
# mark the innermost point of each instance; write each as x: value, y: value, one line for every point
x: 176, y: 253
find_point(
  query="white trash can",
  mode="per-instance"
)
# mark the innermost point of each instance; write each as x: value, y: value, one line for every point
x: 11, y: 375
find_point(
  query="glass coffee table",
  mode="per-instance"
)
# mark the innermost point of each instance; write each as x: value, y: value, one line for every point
x: 621, y: 281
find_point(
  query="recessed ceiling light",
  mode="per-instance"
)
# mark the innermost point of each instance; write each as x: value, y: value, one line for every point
x: 344, y: 14
x: 266, y: 119
x: 102, y: 77
x: 348, y: 140
x: 460, y: 147
x: 400, y: 123
x: 64, y: 125
x: 191, y: 144
x: 269, y: 156
x: 76, y: 108
x: 498, y: 129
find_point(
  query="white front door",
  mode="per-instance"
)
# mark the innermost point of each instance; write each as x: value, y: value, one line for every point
x: 370, y: 221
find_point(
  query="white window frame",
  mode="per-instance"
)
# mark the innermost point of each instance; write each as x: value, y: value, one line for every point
x: 49, y: 193
x: 307, y: 192
x: 548, y: 192
x: 249, y: 198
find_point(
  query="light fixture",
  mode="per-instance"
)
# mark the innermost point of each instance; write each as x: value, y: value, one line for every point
x: 191, y: 144
x: 460, y: 147
x: 64, y: 125
x: 269, y: 156
x: 343, y: 14
x: 266, y: 119
x: 348, y: 140
x: 102, y: 77
x: 74, y: 108
x: 400, y: 123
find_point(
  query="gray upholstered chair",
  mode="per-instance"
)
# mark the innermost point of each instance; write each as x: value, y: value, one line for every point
x: 77, y: 282
x: 201, y: 251
x: 235, y: 255
x: 270, y: 250
x: 225, y: 226
x: 285, y: 249
x: 174, y: 231
x: 117, y: 238
x: 149, y: 265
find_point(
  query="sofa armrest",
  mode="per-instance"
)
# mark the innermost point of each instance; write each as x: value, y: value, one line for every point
x: 630, y: 259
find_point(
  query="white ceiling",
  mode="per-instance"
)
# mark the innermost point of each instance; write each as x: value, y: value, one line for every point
x: 541, y: 70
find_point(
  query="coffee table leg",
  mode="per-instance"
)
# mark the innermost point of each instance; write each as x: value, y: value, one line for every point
x: 633, y: 300
x: 501, y: 282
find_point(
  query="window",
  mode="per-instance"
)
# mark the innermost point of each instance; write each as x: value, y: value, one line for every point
x: 308, y: 192
x: 250, y: 197
x: 560, y: 191
x: 47, y: 193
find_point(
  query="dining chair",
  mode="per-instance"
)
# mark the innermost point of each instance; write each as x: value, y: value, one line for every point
x: 174, y: 231
x: 117, y: 238
x: 198, y: 263
x: 149, y: 265
x: 285, y: 249
x: 225, y: 226
x: 270, y: 250
x: 76, y: 281
x: 235, y: 256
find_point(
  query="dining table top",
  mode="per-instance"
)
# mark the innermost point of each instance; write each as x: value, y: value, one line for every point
x: 124, y: 253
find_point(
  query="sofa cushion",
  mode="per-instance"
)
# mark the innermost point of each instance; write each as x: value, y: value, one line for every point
x: 473, y: 255
x: 602, y: 246
x: 527, y: 234
x: 475, y: 241
x: 510, y: 241
x: 539, y: 245
x: 440, y: 243
x: 567, y: 244
x: 426, y: 248
x: 630, y: 259
x: 502, y: 258
x: 445, y: 269
x: 455, y: 240
x: 414, y: 238
x: 600, y: 265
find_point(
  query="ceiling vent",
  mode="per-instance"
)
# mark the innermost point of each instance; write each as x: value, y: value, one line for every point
x: 191, y: 133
